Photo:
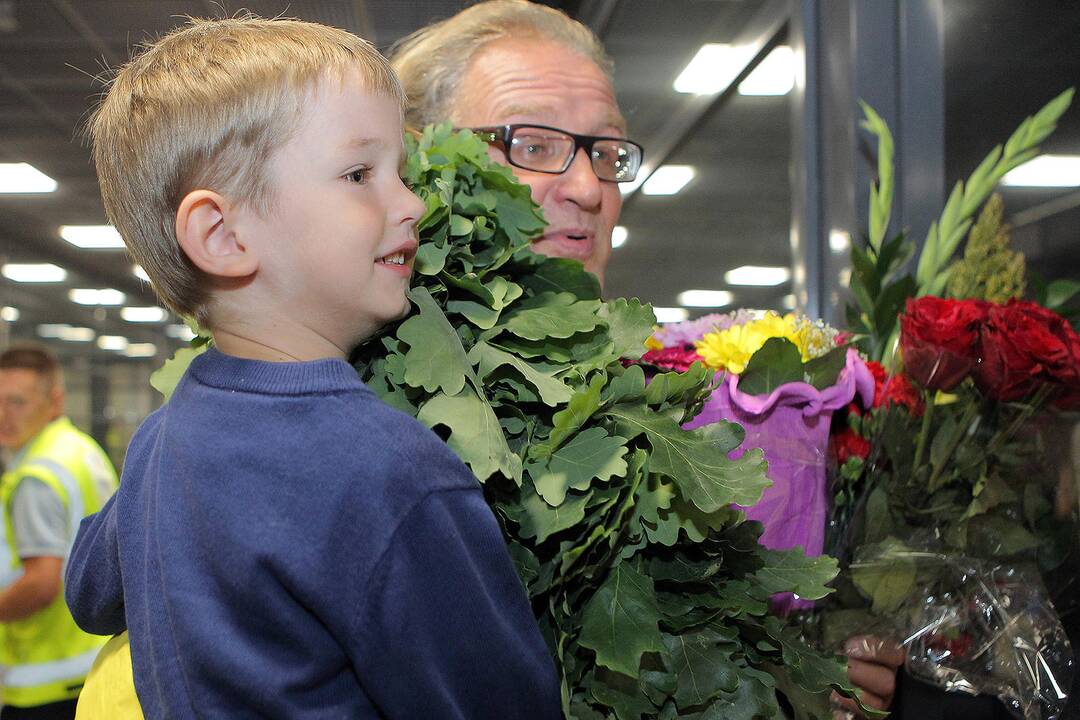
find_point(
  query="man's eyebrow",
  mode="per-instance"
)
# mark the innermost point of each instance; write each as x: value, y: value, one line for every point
x: 614, y: 119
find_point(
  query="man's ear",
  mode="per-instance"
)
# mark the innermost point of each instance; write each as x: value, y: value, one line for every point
x: 56, y: 399
x: 205, y: 229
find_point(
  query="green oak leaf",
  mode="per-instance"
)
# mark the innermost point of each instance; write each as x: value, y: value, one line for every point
x: 754, y: 699
x: 627, y: 387
x: 777, y: 362
x: 552, y: 391
x: 621, y: 620
x: 704, y: 665
x: 581, y: 406
x: 552, y: 315
x: 624, y: 694
x: 166, y: 377
x: 592, y: 453
x: 431, y: 258
x: 435, y: 360
x: 560, y: 275
x: 793, y: 571
x: 539, y: 520
x: 475, y: 433
x: 696, y: 460
x: 478, y: 314
x: 809, y: 670
x: 676, y: 386
x: 629, y: 324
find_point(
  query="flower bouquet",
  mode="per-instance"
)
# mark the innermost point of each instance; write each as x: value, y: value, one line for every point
x: 780, y: 378
x: 950, y: 460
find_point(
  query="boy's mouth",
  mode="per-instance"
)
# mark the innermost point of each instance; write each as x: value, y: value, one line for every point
x: 397, y: 258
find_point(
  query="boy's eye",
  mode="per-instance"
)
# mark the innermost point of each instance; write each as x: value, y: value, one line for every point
x: 358, y: 176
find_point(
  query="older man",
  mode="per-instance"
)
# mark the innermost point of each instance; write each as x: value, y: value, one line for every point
x: 56, y: 476
x: 538, y: 84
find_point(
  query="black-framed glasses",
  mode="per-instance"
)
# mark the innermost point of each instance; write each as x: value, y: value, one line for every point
x: 550, y: 150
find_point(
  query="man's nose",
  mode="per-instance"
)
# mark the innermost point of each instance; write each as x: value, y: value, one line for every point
x: 579, y: 184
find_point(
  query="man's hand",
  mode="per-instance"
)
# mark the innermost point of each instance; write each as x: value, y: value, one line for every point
x: 872, y: 666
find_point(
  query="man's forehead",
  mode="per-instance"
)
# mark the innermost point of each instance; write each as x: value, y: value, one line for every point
x: 549, y: 115
x: 18, y: 379
x: 542, y: 79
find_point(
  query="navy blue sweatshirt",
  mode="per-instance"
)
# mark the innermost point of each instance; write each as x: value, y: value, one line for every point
x: 285, y: 545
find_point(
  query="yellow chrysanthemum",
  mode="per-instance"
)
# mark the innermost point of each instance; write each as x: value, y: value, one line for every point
x: 653, y: 344
x: 732, y: 349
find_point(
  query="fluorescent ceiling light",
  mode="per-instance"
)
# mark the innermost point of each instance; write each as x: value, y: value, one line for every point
x: 50, y: 330
x: 757, y: 275
x: 670, y: 314
x: 1046, y: 171
x: 138, y: 271
x: 63, y: 331
x: 788, y: 302
x: 96, y: 296
x: 9, y: 314
x: 34, y: 272
x: 668, y: 180
x: 713, y: 69
x: 77, y: 334
x: 24, y: 178
x: 180, y: 332
x: 618, y: 236
x: 112, y: 342
x: 625, y: 188
x: 143, y: 314
x: 140, y: 350
x: 92, y: 237
x: 705, y: 298
x: 839, y: 241
x: 775, y: 75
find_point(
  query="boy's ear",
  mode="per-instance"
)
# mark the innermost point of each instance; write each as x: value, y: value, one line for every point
x: 205, y: 230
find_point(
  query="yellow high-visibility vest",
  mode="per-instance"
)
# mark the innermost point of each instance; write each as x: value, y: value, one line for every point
x: 46, y: 656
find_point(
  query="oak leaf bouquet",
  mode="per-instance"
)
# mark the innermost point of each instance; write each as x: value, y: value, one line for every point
x: 650, y: 588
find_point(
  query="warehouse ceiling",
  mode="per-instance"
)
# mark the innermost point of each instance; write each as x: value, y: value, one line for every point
x: 1004, y: 59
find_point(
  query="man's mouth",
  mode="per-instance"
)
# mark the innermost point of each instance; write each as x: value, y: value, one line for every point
x: 575, y: 244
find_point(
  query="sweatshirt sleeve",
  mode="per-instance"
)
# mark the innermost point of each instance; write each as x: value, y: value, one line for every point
x: 92, y: 584
x: 448, y: 631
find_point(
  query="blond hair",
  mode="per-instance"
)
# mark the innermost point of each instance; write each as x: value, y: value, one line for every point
x: 205, y: 107
x: 432, y: 61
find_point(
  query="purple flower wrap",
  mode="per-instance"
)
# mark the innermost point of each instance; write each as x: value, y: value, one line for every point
x: 791, y: 425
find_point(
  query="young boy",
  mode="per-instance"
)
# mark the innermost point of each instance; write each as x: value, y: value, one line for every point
x: 283, y: 544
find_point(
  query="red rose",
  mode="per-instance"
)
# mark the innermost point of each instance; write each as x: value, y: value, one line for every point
x: 849, y: 444
x: 938, y: 339
x: 1023, y: 346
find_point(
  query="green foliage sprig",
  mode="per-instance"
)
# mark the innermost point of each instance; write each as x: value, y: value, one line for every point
x: 879, y: 286
x: 649, y: 587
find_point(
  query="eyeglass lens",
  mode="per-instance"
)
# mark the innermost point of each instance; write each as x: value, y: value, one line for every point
x: 548, y: 151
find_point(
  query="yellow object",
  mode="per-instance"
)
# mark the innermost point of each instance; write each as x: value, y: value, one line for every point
x: 732, y: 349
x: 110, y: 687
x: 46, y: 656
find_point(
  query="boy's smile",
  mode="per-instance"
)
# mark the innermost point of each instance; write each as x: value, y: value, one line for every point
x: 337, y: 245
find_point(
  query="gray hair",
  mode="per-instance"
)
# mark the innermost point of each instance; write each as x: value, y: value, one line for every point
x: 432, y: 61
